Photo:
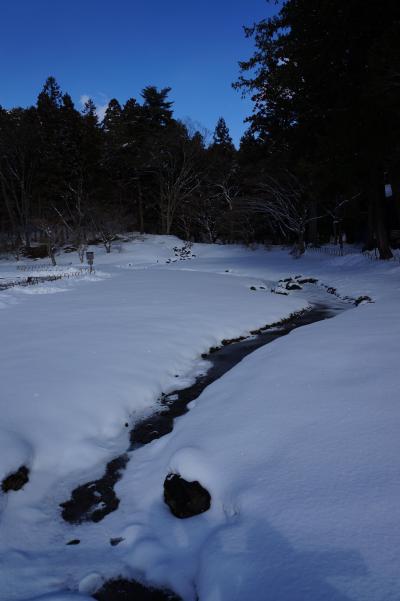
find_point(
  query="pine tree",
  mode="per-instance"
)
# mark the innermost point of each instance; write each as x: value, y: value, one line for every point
x: 157, y: 107
x: 221, y: 136
x: 317, y: 102
x: 112, y: 118
x: 20, y: 147
x: 50, y: 105
x: 222, y: 180
x: 50, y: 97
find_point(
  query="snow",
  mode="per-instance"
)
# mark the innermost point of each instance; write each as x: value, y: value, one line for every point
x: 297, y: 444
x: 63, y: 597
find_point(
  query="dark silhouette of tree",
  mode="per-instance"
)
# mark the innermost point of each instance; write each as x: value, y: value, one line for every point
x: 324, y: 100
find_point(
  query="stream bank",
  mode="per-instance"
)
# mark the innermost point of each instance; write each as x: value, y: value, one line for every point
x: 95, y: 499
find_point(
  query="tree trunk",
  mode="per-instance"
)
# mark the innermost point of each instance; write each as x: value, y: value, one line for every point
x: 395, y: 183
x: 299, y: 247
x: 140, y: 208
x: 335, y: 232
x: 168, y: 224
x: 301, y: 244
x: 313, y: 225
x: 370, y: 242
x: 52, y: 255
x: 378, y: 201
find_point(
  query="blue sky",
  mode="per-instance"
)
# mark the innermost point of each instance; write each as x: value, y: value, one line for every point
x: 114, y: 49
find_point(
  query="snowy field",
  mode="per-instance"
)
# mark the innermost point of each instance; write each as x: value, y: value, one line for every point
x: 298, y: 445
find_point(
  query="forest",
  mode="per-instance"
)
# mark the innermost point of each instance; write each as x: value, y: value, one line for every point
x: 200, y: 331
x: 318, y: 163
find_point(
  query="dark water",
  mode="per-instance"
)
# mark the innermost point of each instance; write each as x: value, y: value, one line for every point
x: 94, y: 500
x: 222, y: 360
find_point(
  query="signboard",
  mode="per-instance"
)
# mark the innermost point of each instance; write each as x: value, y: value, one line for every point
x: 388, y: 190
x: 90, y: 259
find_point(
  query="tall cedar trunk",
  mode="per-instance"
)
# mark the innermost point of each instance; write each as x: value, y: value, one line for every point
x: 168, y: 223
x: 27, y: 236
x: 370, y: 243
x: 378, y: 201
x: 10, y: 211
x: 163, y: 221
x: 167, y: 215
x: 140, y: 208
x: 394, y: 180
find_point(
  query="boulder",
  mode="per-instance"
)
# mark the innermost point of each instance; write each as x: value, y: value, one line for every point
x: 279, y: 290
x: 185, y: 499
x: 307, y: 281
x: 115, y: 541
x: 119, y: 590
x: 362, y: 299
x: 16, y: 480
x: 293, y: 286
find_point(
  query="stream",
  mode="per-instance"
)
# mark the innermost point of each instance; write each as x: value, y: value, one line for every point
x: 94, y: 500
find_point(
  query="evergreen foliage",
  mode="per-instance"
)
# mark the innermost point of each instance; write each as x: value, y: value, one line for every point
x: 322, y: 143
x: 323, y: 83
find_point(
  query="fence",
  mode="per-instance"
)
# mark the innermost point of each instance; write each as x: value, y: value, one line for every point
x: 336, y: 251
x: 33, y: 280
x: 51, y: 268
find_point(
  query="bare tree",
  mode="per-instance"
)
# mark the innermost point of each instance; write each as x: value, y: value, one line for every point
x: 226, y: 194
x: 105, y: 226
x: 178, y: 179
x: 74, y: 215
x: 283, y: 201
x: 208, y: 218
x: 336, y: 213
x: 53, y: 237
x: 18, y: 169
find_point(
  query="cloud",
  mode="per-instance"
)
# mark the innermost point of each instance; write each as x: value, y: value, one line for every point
x: 101, y: 101
x: 101, y: 110
x: 83, y: 99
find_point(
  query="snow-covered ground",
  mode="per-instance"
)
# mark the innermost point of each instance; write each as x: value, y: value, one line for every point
x: 298, y: 445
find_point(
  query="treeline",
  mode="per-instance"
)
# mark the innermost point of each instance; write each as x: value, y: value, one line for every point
x: 319, y: 161
x: 139, y: 169
x: 325, y: 81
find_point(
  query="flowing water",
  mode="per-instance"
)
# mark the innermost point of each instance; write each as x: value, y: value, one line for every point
x: 94, y: 500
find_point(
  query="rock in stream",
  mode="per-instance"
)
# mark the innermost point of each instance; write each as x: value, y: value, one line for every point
x: 185, y: 499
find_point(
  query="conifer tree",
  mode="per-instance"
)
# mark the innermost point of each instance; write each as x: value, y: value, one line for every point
x: 318, y: 105
x: 157, y: 107
x: 20, y: 146
x: 221, y: 136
